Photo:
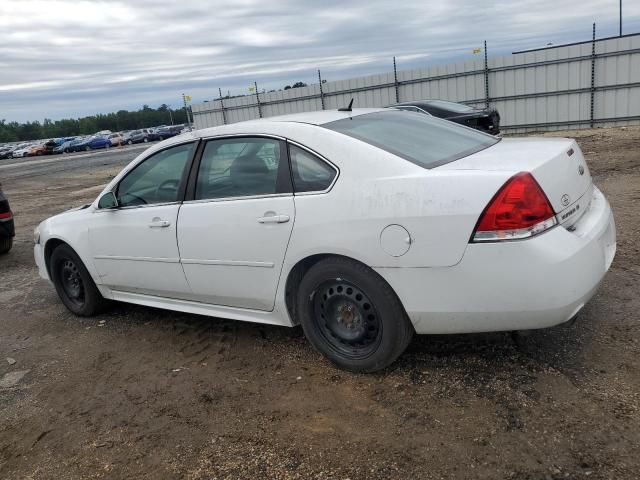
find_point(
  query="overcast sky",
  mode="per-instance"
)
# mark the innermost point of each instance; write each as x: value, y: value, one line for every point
x: 71, y: 58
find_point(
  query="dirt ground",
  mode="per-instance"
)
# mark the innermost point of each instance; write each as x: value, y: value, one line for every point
x: 145, y: 393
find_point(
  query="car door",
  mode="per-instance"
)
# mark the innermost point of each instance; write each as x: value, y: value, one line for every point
x: 234, y: 230
x: 134, y: 245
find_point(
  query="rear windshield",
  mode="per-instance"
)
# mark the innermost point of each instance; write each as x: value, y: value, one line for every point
x: 451, y: 106
x: 424, y: 140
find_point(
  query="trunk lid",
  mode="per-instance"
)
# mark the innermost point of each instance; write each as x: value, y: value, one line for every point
x: 557, y: 164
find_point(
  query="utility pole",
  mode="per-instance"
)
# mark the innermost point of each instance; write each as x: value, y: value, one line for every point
x: 255, y: 85
x: 170, y: 115
x: 224, y: 117
x: 620, y: 17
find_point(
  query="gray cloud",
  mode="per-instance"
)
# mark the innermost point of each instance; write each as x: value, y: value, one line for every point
x: 66, y: 58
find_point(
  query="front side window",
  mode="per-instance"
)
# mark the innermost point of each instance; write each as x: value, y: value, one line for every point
x: 156, y: 179
x: 422, y: 139
x: 239, y: 167
x: 310, y: 174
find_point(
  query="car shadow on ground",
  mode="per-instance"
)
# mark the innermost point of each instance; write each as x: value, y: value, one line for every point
x: 485, y: 354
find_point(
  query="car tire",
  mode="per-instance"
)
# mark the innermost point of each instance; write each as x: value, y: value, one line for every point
x: 160, y: 137
x: 146, y: 140
x: 74, y: 284
x: 5, y: 245
x: 129, y: 142
x: 352, y: 316
x: 66, y: 150
x: 87, y: 148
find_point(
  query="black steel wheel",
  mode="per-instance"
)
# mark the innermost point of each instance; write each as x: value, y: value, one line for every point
x: 347, y: 318
x: 350, y: 314
x: 73, y: 283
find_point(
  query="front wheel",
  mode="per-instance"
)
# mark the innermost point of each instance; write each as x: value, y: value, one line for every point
x: 352, y: 316
x: 87, y: 148
x: 146, y: 140
x: 74, y: 284
x: 129, y: 142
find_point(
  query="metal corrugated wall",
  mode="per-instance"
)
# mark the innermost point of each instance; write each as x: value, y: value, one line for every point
x: 544, y: 89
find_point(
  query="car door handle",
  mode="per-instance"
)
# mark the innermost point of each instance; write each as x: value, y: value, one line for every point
x: 158, y: 223
x: 274, y: 219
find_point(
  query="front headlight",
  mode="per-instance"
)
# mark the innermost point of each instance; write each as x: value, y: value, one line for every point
x: 36, y: 236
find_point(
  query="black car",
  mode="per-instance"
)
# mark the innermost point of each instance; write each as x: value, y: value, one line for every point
x: 168, y: 132
x: 6, y: 152
x: 7, y: 229
x: 486, y: 120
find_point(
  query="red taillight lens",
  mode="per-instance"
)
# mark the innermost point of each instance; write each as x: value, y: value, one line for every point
x: 520, y: 209
x: 6, y: 215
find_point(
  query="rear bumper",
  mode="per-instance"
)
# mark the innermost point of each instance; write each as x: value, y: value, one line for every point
x: 518, y: 285
x: 7, y: 228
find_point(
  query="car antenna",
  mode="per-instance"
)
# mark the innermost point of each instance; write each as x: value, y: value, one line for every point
x: 346, y: 109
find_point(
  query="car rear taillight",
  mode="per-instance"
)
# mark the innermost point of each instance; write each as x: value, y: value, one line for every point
x: 6, y: 216
x: 519, y: 210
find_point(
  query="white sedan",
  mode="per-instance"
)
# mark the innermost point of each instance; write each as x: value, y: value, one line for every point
x: 362, y: 226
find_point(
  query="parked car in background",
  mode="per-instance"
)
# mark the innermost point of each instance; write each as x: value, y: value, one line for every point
x: 71, y: 147
x: 450, y: 230
x: 64, y: 147
x: 136, y: 136
x: 152, y: 134
x: 51, y: 145
x: 6, y: 152
x: 168, y: 132
x: 37, y: 150
x: 92, y: 143
x: 116, y: 139
x: 22, y: 150
x: 7, y: 228
x: 486, y: 120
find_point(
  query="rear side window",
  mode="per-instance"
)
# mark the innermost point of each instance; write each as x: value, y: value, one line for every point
x: 310, y: 173
x: 418, y: 138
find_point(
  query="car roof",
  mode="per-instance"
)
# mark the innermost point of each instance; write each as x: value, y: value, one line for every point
x: 320, y: 117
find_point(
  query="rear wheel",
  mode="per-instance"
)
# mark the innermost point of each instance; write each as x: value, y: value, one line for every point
x: 74, y: 284
x: 352, y: 316
x: 5, y: 245
x: 87, y: 148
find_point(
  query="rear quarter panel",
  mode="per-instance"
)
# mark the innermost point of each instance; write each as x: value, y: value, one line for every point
x: 376, y: 189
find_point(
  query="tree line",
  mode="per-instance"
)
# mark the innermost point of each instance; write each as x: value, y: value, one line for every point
x: 68, y: 127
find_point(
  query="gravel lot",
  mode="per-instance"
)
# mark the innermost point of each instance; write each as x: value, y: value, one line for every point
x: 145, y: 393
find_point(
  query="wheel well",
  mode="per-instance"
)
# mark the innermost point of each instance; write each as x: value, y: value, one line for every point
x: 295, y: 277
x: 49, y: 247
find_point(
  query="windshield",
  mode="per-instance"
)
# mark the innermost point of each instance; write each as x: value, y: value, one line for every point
x: 451, y: 106
x: 424, y: 140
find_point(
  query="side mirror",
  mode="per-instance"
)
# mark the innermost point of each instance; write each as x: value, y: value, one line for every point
x: 108, y: 201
